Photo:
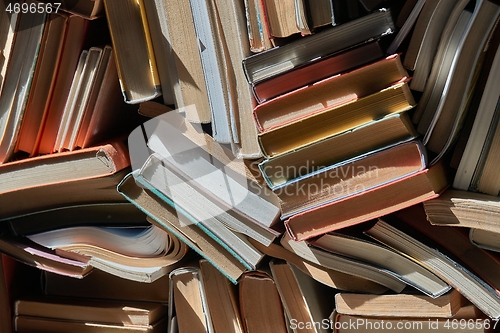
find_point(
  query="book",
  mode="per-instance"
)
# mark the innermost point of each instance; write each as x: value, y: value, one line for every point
x: 260, y: 304
x: 425, y: 40
x: 136, y: 70
x: 317, y: 71
x: 182, y: 53
x: 304, y: 299
x: 457, y: 242
x: 470, y: 286
x: 221, y: 300
x: 406, y: 27
x: 77, y: 31
x: 7, y: 34
x: 485, y: 117
x: 259, y: 36
x: 464, y: 209
x: 82, y: 176
x: 374, y: 135
x: 43, y: 81
x: 400, y: 305
x: 350, y: 177
x: 286, y: 17
x: 275, y: 61
x: 5, y: 291
x: 357, y: 247
x: 336, y: 119
x: 18, y: 79
x: 364, y: 206
x: 344, y: 264
x: 97, y: 311
x: 234, y: 38
x: 102, y: 285
x: 188, y: 303
x: 450, y: 111
x: 327, y: 276
x: 329, y: 93
x: 164, y: 216
x: 413, y: 324
x: 484, y: 239
x: 32, y: 324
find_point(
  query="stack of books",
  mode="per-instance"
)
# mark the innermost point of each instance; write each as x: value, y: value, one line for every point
x: 249, y: 166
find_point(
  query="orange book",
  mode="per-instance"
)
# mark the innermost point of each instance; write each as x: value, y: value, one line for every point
x: 370, y: 204
x: 49, y: 181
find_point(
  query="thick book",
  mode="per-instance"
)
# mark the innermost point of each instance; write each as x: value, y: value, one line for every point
x: 317, y: 71
x: 401, y: 193
x: 222, y: 300
x: 304, y: 299
x: 458, y: 276
x: 372, y: 136
x: 100, y: 311
x: 286, y: 18
x: 69, y: 178
x: 275, y: 61
x: 137, y: 69
x: 188, y: 309
x: 455, y: 240
x: 344, y: 264
x: 182, y: 52
x: 18, y: 79
x: 348, y: 178
x: 400, y: 305
x: 357, y: 247
x: 164, y: 216
x: 485, y: 239
x: 336, y: 119
x: 327, y: 276
x: 260, y: 304
x: 456, y: 208
x: 328, y: 93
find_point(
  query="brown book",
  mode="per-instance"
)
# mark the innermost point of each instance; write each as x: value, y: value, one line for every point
x: 260, y: 304
x: 346, y: 145
x: 188, y: 305
x: 340, y: 181
x: 189, y: 89
x: 221, y: 300
x: 335, y: 119
x: 125, y: 313
x: 259, y: 35
x: 366, y: 205
x: 400, y: 305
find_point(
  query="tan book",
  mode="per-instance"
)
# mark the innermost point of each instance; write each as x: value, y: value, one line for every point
x: 457, y: 208
x: 189, y: 86
x: 188, y: 309
x: 286, y: 17
x: 258, y: 27
x: 485, y: 239
x: 221, y: 300
x: 304, y: 299
x: 129, y: 31
x: 335, y: 119
x: 400, y: 305
x: 260, y: 304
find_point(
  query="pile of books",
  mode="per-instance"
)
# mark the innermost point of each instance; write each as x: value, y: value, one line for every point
x: 249, y: 166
